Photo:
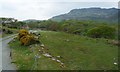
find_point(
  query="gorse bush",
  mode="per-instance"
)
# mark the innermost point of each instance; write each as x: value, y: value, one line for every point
x: 102, y: 32
x: 22, y: 33
x: 26, y: 38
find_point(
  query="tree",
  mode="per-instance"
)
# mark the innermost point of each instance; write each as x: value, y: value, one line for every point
x: 102, y: 32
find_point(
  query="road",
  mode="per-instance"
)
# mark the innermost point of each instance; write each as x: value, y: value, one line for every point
x: 5, y: 62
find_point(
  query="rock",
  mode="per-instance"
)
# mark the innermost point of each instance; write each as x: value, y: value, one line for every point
x: 42, y: 45
x: 115, y: 63
x: 36, y: 37
x: 62, y: 66
x: 47, y: 55
x: 58, y: 60
x: 53, y: 59
x: 62, y: 63
x: 67, y: 40
x: 30, y: 46
x: 42, y: 48
x: 58, y: 56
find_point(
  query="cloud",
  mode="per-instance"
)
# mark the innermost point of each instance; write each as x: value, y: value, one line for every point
x: 45, y: 9
x: 20, y: 1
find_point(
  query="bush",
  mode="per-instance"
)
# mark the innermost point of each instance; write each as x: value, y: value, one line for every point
x: 26, y: 38
x: 3, y: 30
x: 79, y: 31
x: 102, y: 32
x: 22, y: 33
x: 9, y: 32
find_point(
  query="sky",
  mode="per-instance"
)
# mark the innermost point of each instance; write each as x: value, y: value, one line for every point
x: 45, y: 9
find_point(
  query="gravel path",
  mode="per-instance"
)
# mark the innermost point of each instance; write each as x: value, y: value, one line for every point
x: 5, y: 62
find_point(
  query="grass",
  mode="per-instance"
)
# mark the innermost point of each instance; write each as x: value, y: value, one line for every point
x: 4, y: 35
x: 79, y: 53
x: 7, y: 34
x: 0, y: 35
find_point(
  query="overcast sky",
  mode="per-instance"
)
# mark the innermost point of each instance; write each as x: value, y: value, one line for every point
x: 45, y: 9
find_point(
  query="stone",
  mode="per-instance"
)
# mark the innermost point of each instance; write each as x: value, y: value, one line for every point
x: 115, y: 63
x: 58, y: 61
x: 42, y: 45
x: 53, y: 59
x: 47, y: 55
x: 62, y: 63
x: 58, y: 56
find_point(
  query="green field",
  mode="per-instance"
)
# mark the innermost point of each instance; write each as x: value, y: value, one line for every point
x: 77, y: 52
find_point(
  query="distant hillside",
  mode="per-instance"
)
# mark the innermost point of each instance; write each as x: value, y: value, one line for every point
x: 97, y: 14
x: 30, y: 20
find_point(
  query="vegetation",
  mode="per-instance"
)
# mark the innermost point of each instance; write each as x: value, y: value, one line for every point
x: 79, y: 27
x: 102, y: 32
x: 7, y: 31
x: 80, y: 44
x: 26, y: 38
x: 11, y: 23
x: 95, y: 14
x: 22, y: 33
x: 82, y: 28
x: 10, y: 26
x: 77, y: 52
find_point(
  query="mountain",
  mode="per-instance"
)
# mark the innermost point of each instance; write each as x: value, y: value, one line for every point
x: 97, y: 14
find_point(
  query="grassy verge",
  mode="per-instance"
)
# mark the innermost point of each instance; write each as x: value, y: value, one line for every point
x: 78, y: 53
x: 4, y: 35
x: 7, y: 34
x: 0, y: 35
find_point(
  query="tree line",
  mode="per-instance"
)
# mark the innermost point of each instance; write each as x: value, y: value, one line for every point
x: 92, y: 29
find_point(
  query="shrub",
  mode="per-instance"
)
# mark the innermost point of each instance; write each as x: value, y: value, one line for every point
x: 79, y: 31
x: 22, y: 33
x: 3, y: 30
x: 9, y: 32
x: 102, y: 32
x: 26, y: 38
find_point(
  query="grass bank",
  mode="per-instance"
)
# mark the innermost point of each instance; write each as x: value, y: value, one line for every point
x: 77, y: 52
